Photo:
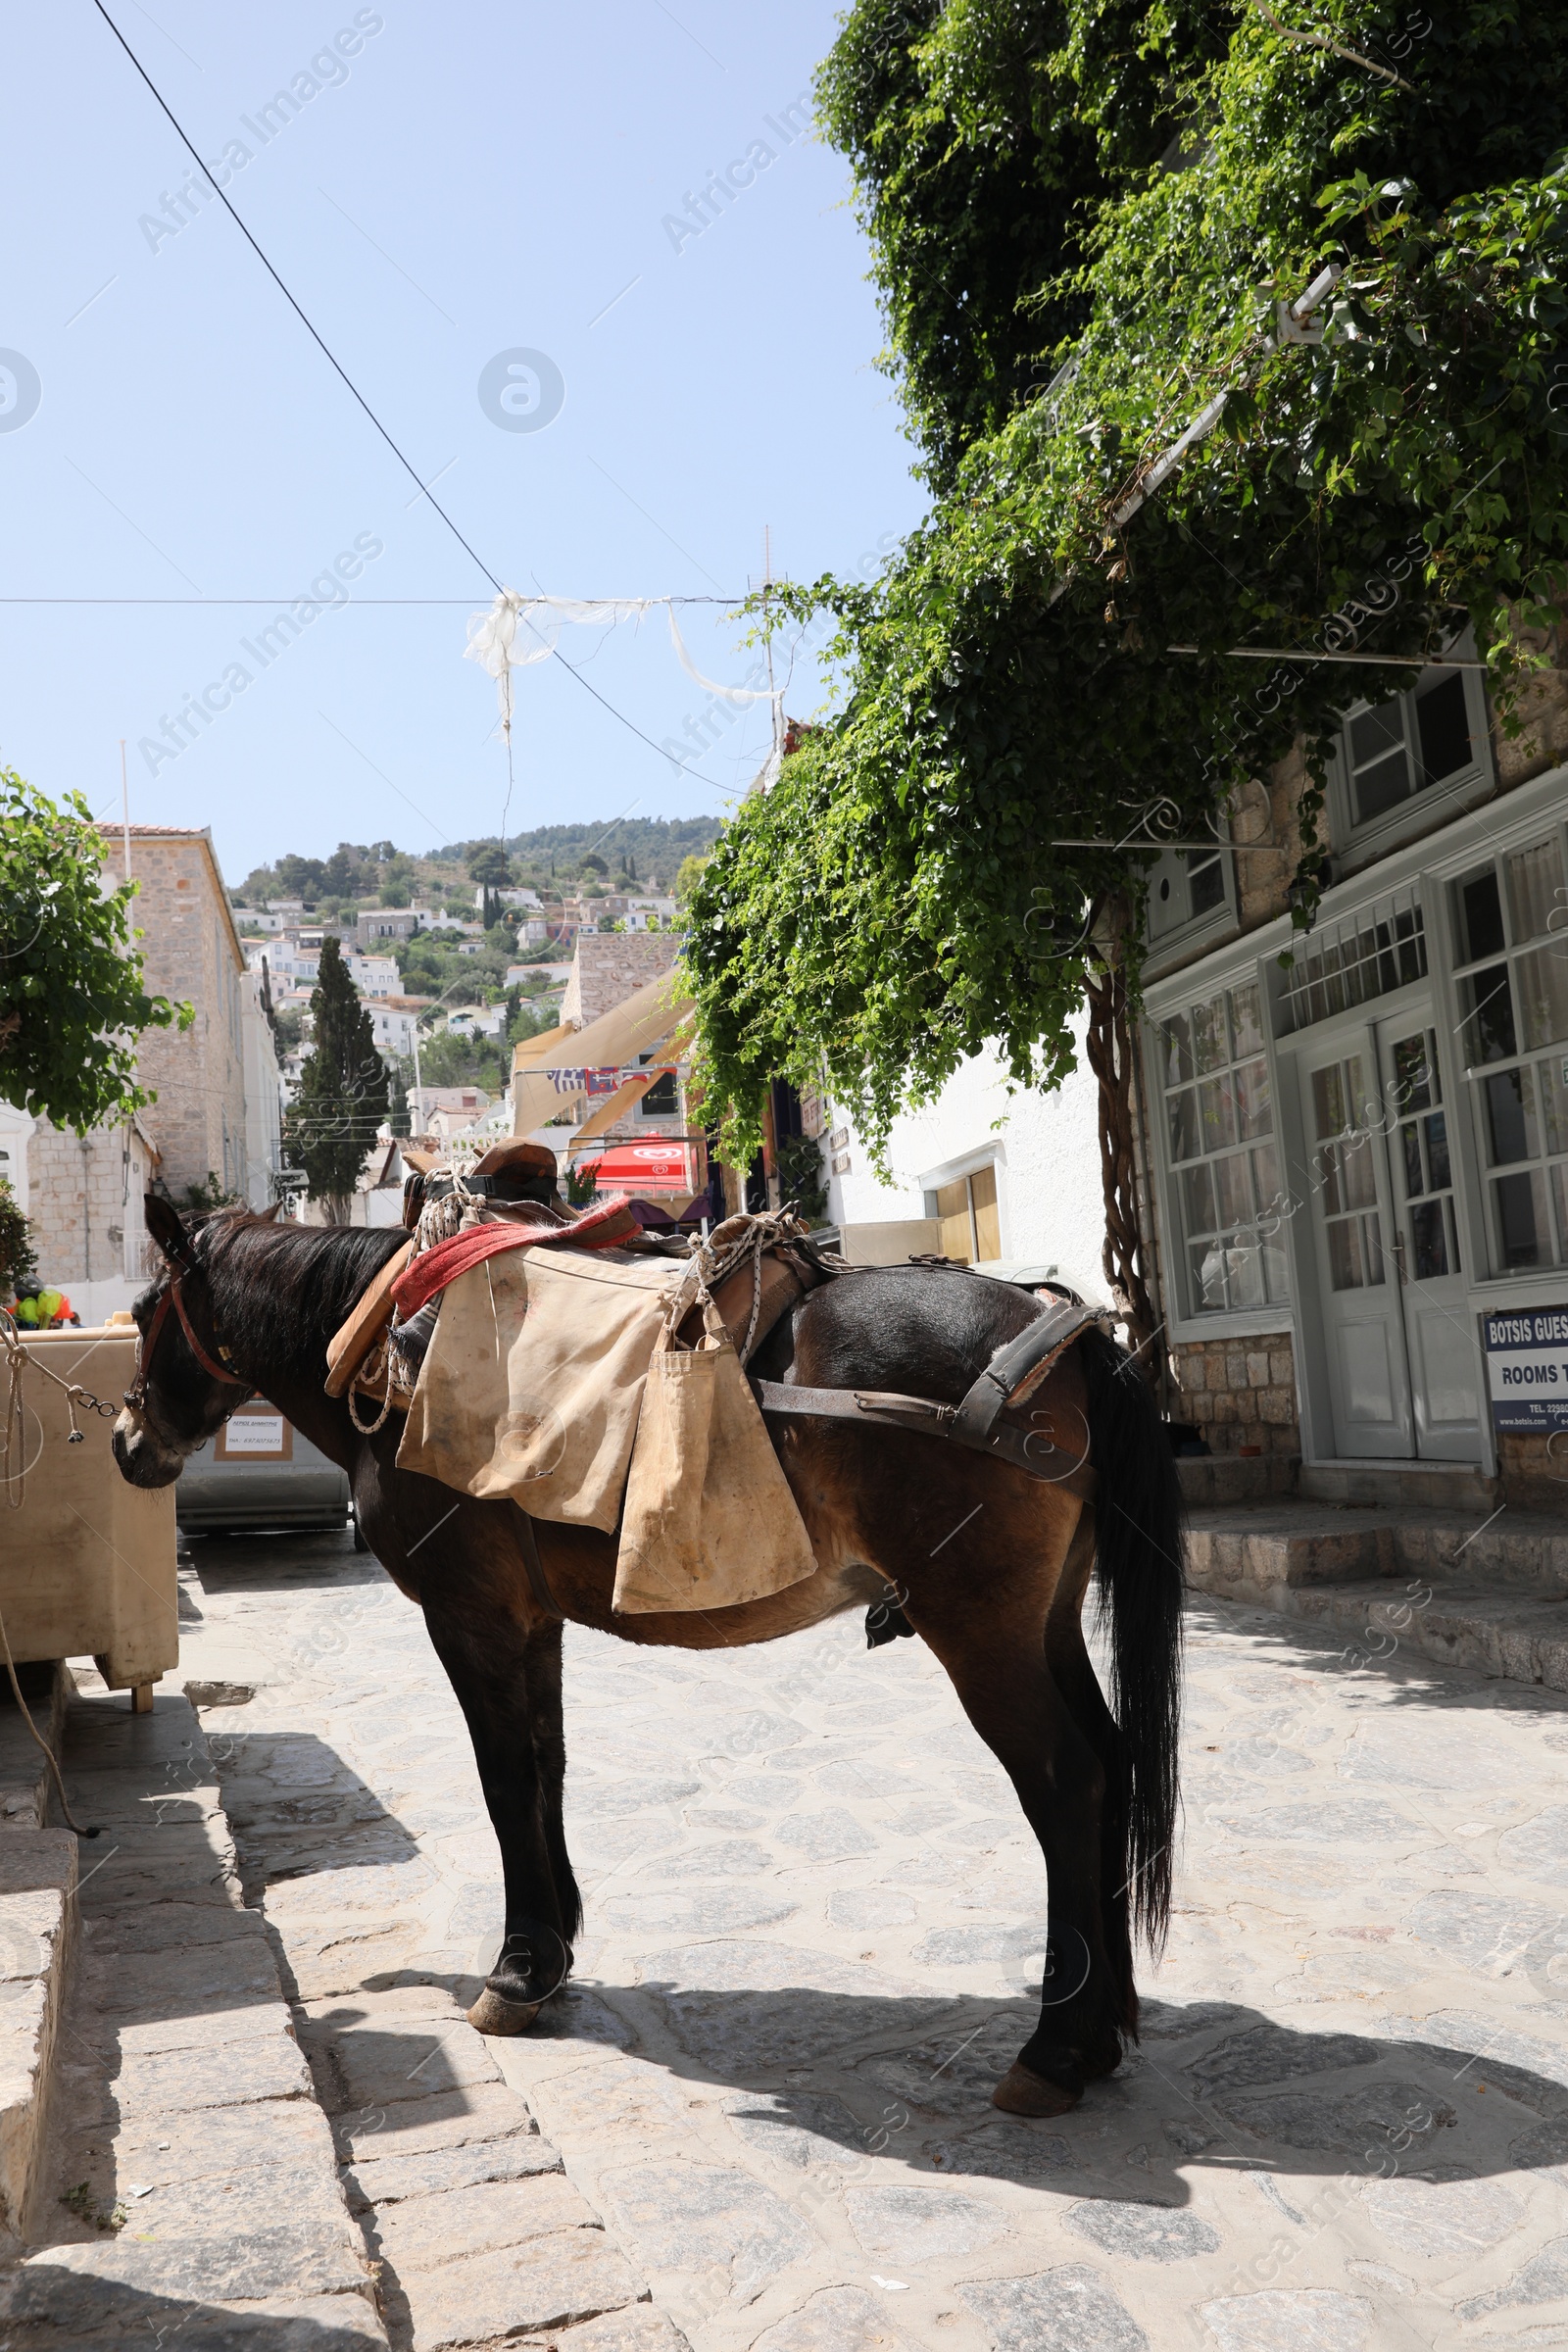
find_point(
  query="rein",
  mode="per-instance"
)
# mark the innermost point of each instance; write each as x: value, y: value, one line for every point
x: 174, y: 1297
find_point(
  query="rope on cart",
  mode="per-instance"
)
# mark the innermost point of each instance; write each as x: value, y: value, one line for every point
x: 13, y: 1435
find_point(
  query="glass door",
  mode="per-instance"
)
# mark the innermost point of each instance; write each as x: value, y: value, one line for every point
x: 1354, y: 1227
x: 1442, y: 1346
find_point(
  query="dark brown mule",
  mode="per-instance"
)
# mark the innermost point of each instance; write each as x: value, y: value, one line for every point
x: 989, y: 1563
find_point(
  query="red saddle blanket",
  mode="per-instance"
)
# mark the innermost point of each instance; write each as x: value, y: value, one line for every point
x: 601, y: 1227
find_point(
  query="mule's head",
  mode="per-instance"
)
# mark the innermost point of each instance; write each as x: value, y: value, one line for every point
x: 174, y: 1404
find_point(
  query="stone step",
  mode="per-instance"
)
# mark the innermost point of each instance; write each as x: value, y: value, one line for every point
x: 1422, y: 1486
x: 190, y: 2185
x: 1296, y: 1543
x: 1457, y: 1624
x: 47, y: 1687
x: 37, y: 1919
x: 1210, y: 1478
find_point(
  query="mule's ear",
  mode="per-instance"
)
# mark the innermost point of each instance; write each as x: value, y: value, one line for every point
x: 162, y: 1223
x: 269, y: 1215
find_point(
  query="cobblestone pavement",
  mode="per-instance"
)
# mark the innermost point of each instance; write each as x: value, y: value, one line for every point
x: 814, y: 1920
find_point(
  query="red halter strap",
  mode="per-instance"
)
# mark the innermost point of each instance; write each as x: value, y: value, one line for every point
x: 136, y: 1394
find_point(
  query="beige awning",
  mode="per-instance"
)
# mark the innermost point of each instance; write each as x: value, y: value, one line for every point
x: 547, y: 1082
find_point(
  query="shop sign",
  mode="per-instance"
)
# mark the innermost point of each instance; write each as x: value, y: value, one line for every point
x: 1527, y: 1369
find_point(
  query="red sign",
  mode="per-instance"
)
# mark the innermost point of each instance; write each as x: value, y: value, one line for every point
x: 661, y: 1166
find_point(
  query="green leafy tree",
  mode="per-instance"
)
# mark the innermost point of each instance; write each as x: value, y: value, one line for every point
x: 342, y: 1100
x: 1084, y: 219
x: 71, y: 1001
x: 19, y: 1268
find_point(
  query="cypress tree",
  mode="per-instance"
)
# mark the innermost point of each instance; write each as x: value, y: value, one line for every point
x: 342, y: 1101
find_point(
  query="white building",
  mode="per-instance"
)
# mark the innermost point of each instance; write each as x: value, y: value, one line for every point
x: 508, y: 898
x: 532, y: 934
x: 395, y: 1022
x: 477, y: 1020
x: 981, y: 1175
x: 374, y: 975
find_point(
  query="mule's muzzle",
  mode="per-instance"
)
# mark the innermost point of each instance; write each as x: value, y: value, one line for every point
x: 142, y: 1457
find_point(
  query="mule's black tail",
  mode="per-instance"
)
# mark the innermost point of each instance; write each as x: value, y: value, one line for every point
x: 1137, y: 1548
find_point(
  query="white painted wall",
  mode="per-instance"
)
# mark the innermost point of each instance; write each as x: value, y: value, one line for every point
x: 1046, y: 1152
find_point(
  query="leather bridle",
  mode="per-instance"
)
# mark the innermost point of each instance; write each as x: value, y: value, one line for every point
x: 174, y: 1297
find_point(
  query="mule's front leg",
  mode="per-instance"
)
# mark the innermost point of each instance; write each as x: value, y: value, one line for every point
x: 505, y: 1668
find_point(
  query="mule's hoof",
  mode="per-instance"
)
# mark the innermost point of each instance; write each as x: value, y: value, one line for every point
x: 490, y: 2013
x: 1020, y: 2092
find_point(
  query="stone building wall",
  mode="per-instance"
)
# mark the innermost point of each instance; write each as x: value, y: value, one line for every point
x: 1239, y: 1393
x: 192, y: 953
x: 85, y: 1207
x: 608, y: 966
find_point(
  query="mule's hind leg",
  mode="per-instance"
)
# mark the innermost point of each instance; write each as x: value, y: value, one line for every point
x: 997, y: 1658
x: 1075, y: 1678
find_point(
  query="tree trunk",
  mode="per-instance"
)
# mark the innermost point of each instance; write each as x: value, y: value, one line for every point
x: 1125, y: 1257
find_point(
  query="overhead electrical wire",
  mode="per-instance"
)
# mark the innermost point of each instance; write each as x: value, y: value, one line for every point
x: 341, y: 372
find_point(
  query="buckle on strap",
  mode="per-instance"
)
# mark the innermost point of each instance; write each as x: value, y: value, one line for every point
x: 1018, y: 1368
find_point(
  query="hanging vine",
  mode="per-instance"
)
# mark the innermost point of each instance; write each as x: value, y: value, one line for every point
x: 1084, y: 221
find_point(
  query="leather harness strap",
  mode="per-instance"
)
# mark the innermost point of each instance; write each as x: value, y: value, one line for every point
x: 136, y: 1394
x: 528, y: 1544
x: 1011, y: 1376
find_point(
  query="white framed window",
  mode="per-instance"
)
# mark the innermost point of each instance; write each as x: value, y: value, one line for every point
x: 1217, y: 1128
x: 1511, y: 922
x: 1191, y: 891
x: 1405, y: 764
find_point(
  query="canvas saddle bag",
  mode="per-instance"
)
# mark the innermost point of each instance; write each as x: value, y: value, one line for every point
x: 532, y: 1385
x: 710, y: 1520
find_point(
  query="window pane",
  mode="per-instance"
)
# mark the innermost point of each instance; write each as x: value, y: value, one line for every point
x: 1233, y: 1190
x: 1553, y: 1078
x: 1244, y: 1269
x: 1492, y: 1029
x: 1207, y: 1260
x: 1328, y: 1164
x: 1358, y: 1111
x: 1360, y: 1172
x: 1182, y: 1112
x: 1544, y: 994
x: 1176, y: 1049
x: 1246, y: 1020
x: 1535, y: 889
x: 1444, y: 727
x: 1414, y: 1182
x: 1559, y: 1194
x: 1512, y: 1130
x: 1345, y: 1255
x: 1254, y: 1102
x: 1328, y: 1102
x: 1375, y: 732
x: 1428, y: 1247
x: 1217, y: 1104
x: 1266, y: 1182
x: 1211, y: 1046
x: 1383, y: 787
x: 1205, y: 879
x: 1480, y: 918
x: 1521, y: 1209
x: 1277, y: 1272
x: 1437, y: 1128
x: 1372, y: 1250
x: 1197, y: 1200
x: 1412, y: 1077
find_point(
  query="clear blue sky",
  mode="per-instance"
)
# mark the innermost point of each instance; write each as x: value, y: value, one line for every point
x: 463, y: 184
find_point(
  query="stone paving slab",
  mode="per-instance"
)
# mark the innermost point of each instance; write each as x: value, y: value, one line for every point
x: 193, y: 2188
x: 1346, y: 2127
